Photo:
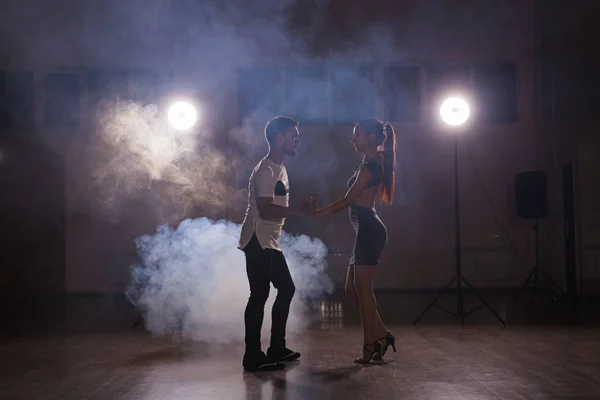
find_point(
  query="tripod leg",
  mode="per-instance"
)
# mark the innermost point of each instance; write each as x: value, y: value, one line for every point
x: 484, y: 302
x: 527, y: 282
x: 432, y: 303
x: 552, y: 281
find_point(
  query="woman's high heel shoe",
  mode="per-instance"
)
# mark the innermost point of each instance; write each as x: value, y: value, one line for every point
x: 369, y: 355
x: 390, y: 340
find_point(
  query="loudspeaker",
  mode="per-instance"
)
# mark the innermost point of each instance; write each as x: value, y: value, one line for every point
x: 530, y: 194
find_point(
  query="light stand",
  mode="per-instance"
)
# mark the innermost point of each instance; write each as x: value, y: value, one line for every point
x: 455, y: 111
x: 534, y: 276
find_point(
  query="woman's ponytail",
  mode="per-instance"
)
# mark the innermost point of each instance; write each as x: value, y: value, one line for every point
x: 389, y: 164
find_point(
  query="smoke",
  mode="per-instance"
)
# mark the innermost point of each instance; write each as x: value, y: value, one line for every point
x: 191, y: 281
x: 140, y: 168
x: 218, y: 35
x: 138, y: 156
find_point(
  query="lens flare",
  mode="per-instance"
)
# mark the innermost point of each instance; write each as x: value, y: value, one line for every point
x: 454, y: 111
x: 182, y: 116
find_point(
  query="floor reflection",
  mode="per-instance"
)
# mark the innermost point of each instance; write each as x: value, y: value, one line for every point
x: 331, y: 313
x: 99, y: 356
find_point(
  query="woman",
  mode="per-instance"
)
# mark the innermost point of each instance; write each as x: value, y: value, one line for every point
x: 374, y: 177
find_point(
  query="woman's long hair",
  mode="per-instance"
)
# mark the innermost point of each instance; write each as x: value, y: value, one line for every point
x: 386, y: 137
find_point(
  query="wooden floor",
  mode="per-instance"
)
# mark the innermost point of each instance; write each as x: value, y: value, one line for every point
x: 93, y: 353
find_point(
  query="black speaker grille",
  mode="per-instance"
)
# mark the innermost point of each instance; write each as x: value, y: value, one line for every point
x: 531, y: 189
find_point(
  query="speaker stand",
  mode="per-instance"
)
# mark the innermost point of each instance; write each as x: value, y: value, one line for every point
x: 534, y: 277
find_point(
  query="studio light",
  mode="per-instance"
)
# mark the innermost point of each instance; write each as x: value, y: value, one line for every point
x: 182, y: 116
x: 455, y: 111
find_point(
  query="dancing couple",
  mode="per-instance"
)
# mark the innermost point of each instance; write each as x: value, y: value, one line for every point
x: 268, y: 207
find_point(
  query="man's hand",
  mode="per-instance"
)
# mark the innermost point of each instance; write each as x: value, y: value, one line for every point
x: 309, y: 206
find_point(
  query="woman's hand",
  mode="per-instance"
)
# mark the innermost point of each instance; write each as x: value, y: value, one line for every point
x: 323, y: 212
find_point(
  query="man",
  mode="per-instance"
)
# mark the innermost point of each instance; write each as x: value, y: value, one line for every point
x: 268, y: 206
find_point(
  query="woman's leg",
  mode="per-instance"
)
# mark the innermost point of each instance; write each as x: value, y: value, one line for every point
x: 349, y: 288
x: 363, y: 283
x: 352, y: 293
x: 366, y: 284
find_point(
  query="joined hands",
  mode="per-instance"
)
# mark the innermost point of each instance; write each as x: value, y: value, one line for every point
x: 309, y: 206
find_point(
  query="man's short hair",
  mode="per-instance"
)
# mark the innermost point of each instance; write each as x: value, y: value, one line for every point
x: 278, y: 126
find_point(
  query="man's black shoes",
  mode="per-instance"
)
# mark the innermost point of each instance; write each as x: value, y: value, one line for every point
x: 283, y: 354
x: 272, y: 361
x: 260, y: 362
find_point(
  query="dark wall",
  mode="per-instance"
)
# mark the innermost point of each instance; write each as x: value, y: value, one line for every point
x: 32, y: 232
x: 418, y: 35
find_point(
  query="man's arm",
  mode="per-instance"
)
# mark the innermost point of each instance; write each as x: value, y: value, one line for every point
x: 268, y: 210
x: 264, y: 182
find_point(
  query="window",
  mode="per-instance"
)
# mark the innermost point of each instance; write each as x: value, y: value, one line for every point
x: 148, y: 87
x: 351, y: 94
x: 104, y: 88
x: 306, y: 95
x: 107, y: 85
x: 17, y: 106
x: 570, y: 66
x: 62, y: 104
x: 258, y: 96
x: 575, y: 97
x: 443, y: 79
x: 495, y: 87
x: 402, y: 94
